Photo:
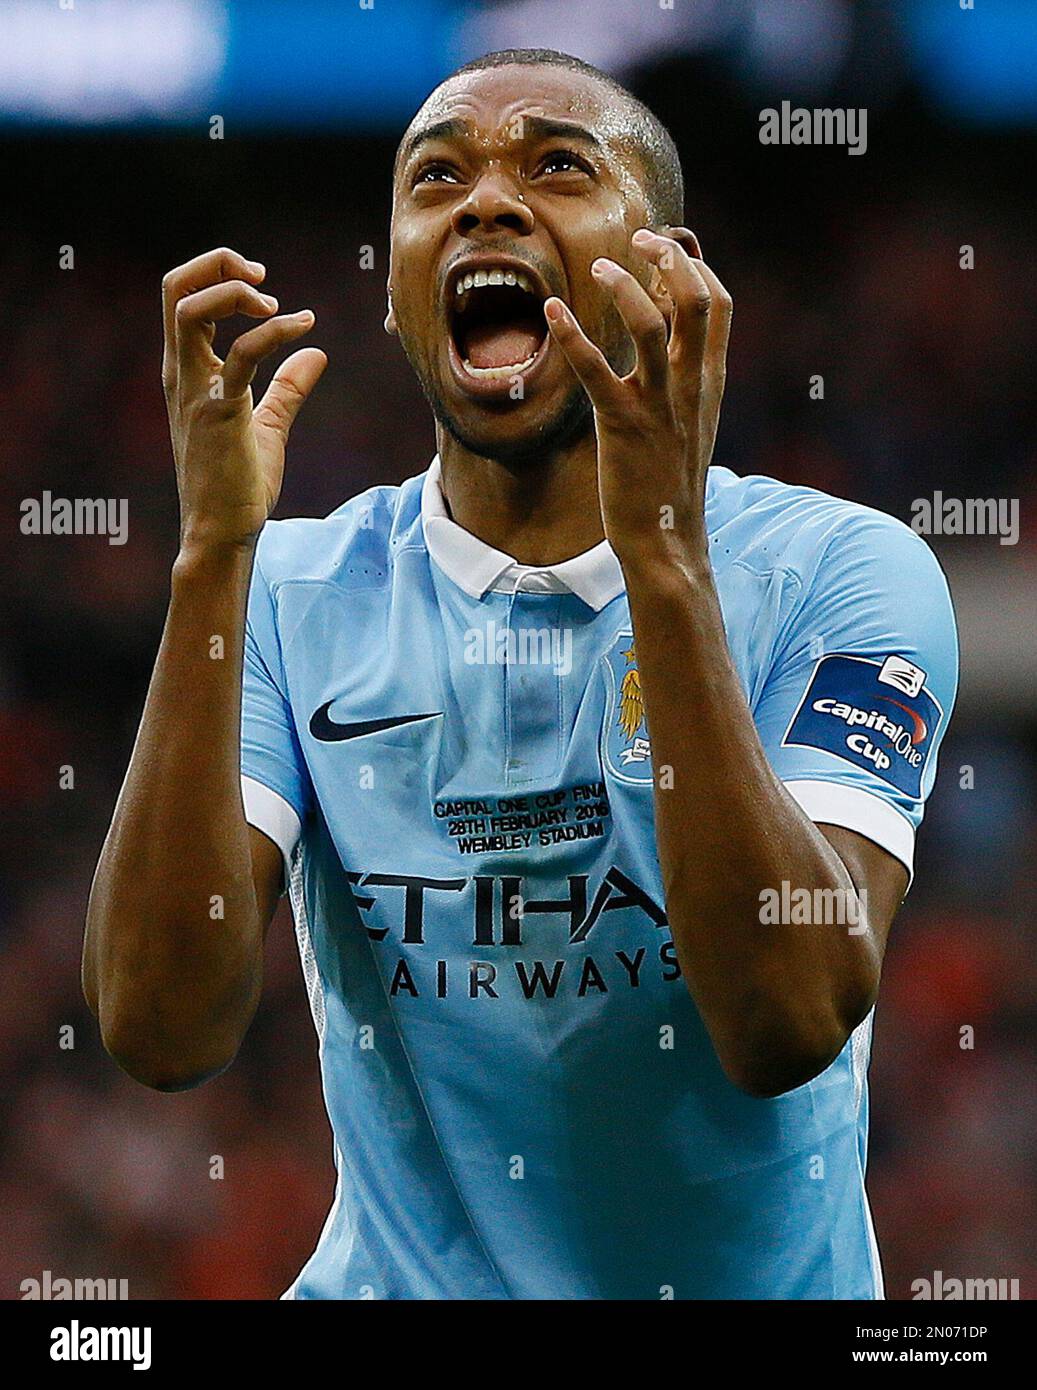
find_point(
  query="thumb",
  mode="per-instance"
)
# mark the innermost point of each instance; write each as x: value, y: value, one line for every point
x: 293, y: 381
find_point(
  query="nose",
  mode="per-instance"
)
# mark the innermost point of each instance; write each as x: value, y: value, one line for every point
x: 493, y: 204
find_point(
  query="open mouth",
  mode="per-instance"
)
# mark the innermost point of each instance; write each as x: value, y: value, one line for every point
x: 497, y: 321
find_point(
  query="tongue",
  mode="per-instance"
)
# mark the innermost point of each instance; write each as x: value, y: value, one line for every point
x: 500, y: 345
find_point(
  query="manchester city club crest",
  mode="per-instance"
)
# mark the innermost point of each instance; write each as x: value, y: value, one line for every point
x: 625, y: 749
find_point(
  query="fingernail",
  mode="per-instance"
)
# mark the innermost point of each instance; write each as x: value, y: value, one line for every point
x: 269, y: 301
x: 305, y: 315
x: 642, y: 234
x: 257, y: 266
x: 602, y: 267
x: 553, y: 310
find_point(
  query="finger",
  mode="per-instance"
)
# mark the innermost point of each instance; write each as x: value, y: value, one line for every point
x: 197, y: 315
x: 688, y: 291
x: 586, y: 360
x: 719, y: 314
x: 657, y: 289
x: 645, y: 323
x: 685, y: 237
x: 206, y: 269
x: 248, y: 351
x: 293, y: 381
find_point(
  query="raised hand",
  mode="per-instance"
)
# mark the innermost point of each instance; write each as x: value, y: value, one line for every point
x: 657, y: 425
x: 229, y: 453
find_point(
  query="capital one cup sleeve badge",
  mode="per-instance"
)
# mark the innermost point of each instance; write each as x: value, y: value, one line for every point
x: 849, y: 712
x: 625, y: 746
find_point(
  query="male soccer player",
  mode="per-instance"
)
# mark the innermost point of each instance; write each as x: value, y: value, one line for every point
x: 593, y: 771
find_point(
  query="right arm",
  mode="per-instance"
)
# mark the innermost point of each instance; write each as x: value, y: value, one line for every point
x: 172, y: 979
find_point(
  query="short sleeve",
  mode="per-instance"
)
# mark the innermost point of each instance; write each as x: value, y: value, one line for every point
x: 275, y: 785
x: 862, y: 684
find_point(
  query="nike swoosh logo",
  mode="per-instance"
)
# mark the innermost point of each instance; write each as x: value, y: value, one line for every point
x: 327, y: 731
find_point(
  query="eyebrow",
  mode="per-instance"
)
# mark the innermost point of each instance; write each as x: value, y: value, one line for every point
x: 540, y: 127
x: 547, y: 128
x: 451, y: 129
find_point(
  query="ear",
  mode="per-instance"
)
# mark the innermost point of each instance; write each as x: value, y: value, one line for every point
x: 390, y: 317
x: 656, y: 288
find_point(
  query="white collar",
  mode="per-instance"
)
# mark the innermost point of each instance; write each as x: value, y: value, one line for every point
x: 595, y: 576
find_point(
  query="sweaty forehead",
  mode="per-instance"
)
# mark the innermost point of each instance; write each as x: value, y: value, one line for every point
x: 490, y: 100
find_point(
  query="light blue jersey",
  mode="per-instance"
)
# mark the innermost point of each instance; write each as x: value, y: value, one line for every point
x: 451, y: 751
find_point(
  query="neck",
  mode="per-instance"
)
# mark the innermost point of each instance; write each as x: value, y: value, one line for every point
x: 540, y: 513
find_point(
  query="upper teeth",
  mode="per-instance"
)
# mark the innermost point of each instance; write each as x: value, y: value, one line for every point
x: 475, y: 280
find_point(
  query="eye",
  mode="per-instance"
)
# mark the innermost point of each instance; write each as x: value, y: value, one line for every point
x: 563, y: 162
x: 435, y: 173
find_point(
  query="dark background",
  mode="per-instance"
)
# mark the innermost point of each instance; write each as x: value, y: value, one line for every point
x: 839, y: 265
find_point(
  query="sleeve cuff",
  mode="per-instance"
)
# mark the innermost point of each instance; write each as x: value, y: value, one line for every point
x: 852, y: 808
x: 274, y: 816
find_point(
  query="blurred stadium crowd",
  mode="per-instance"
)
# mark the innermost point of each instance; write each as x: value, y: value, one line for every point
x: 844, y: 267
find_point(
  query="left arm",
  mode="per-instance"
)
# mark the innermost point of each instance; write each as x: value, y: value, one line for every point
x: 779, y: 1000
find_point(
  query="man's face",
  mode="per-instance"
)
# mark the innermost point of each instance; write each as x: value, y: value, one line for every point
x: 510, y: 182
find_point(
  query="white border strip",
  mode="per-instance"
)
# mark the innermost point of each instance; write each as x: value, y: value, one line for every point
x: 275, y: 817
x: 853, y: 808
